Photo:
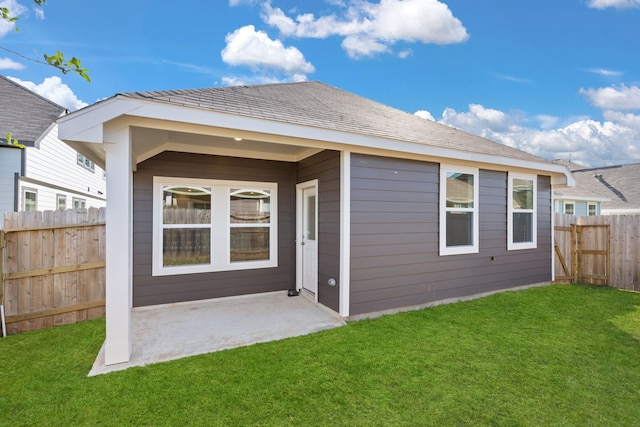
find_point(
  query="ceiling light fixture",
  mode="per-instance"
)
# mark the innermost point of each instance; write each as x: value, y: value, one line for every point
x: 237, y: 139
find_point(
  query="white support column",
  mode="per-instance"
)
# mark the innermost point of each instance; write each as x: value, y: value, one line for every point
x: 119, y: 215
x: 345, y: 232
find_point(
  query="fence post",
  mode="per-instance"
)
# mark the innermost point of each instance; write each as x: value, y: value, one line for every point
x: 574, y: 253
x: 2, y: 319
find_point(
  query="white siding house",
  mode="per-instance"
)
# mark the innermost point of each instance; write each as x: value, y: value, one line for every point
x: 46, y: 174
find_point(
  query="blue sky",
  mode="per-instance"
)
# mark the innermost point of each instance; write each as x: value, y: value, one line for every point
x: 558, y: 79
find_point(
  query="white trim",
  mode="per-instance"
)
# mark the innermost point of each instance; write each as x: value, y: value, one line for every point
x: 84, y: 126
x: 299, y: 232
x: 594, y: 204
x: 475, y: 246
x: 33, y: 191
x: 345, y: 233
x: 533, y: 244
x: 564, y: 207
x: 220, y: 255
x: 119, y: 255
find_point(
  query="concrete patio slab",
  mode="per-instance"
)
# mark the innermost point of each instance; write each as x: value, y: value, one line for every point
x: 173, y: 331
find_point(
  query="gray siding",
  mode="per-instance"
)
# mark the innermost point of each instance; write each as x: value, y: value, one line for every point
x: 10, y: 161
x: 149, y: 290
x: 394, y: 238
x: 325, y: 167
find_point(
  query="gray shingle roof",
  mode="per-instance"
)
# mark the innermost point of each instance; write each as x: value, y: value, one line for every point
x: 319, y: 105
x: 619, y: 183
x: 24, y: 113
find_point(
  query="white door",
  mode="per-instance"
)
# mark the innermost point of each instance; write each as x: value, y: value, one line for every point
x: 309, y: 239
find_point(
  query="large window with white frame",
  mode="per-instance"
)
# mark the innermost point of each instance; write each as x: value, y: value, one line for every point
x: 203, y: 225
x: 459, y: 190
x: 522, y: 211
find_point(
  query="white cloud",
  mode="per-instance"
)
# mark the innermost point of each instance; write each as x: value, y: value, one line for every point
x: 15, y: 10
x: 369, y: 29
x: 618, y: 4
x: 254, y: 49
x: 606, y: 73
x: 10, y: 64
x: 587, y: 141
x: 39, y: 13
x: 614, y: 98
x: 425, y: 115
x: 53, y: 89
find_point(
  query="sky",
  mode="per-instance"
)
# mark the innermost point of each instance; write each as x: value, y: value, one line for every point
x: 558, y: 79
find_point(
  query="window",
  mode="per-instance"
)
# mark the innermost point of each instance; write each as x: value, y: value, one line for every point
x: 458, y: 210
x: 29, y: 200
x: 592, y: 209
x: 61, y: 202
x: 86, y: 163
x: 78, y: 203
x: 212, y: 225
x: 521, y: 219
x: 569, y: 208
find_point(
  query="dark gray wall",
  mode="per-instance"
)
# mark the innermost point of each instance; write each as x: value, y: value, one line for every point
x: 394, y: 238
x: 325, y: 167
x: 149, y: 290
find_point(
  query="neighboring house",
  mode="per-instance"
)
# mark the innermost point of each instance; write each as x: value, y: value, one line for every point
x: 47, y: 174
x: 365, y: 208
x: 609, y: 190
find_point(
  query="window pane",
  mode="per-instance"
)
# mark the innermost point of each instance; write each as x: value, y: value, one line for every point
x: 459, y: 190
x: 522, y: 227
x: 186, y: 246
x: 250, y: 206
x: 186, y: 205
x: 459, y: 229
x: 29, y: 201
x: 250, y: 243
x: 592, y: 210
x: 522, y: 194
x: 568, y: 208
x: 311, y: 218
x: 62, y: 203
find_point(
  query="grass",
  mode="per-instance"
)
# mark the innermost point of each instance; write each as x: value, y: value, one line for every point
x: 561, y: 355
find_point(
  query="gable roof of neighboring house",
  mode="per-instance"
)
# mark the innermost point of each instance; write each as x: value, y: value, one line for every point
x: 24, y: 113
x: 304, y: 112
x: 617, y: 186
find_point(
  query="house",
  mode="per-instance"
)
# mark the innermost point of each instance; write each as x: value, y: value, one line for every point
x: 252, y: 189
x: 47, y: 174
x: 609, y: 190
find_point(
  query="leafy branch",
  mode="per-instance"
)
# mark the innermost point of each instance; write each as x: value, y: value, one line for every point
x: 13, y: 141
x: 57, y: 60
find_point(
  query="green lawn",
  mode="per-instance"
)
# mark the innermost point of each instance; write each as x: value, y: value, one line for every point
x: 561, y: 355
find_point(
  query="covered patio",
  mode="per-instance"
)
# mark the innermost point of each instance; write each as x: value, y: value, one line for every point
x: 172, y: 331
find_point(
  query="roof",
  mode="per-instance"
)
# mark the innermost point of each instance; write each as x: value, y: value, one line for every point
x: 618, y: 183
x: 24, y: 113
x: 319, y: 105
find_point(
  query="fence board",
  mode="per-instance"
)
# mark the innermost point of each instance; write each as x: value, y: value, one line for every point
x: 54, y: 268
x: 605, y: 250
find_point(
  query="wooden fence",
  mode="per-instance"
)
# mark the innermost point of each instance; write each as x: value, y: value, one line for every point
x: 603, y: 250
x: 53, y: 268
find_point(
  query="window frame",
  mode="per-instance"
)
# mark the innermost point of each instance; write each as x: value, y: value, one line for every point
x: 475, y: 235
x: 79, y: 200
x: 564, y: 207
x: 61, y: 197
x: 595, y: 206
x: 220, y: 227
x: 533, y: 244
x: 85, y: 162
x: 33, y: 191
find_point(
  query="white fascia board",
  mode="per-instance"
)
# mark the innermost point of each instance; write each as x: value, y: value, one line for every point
x: 79, y: 126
